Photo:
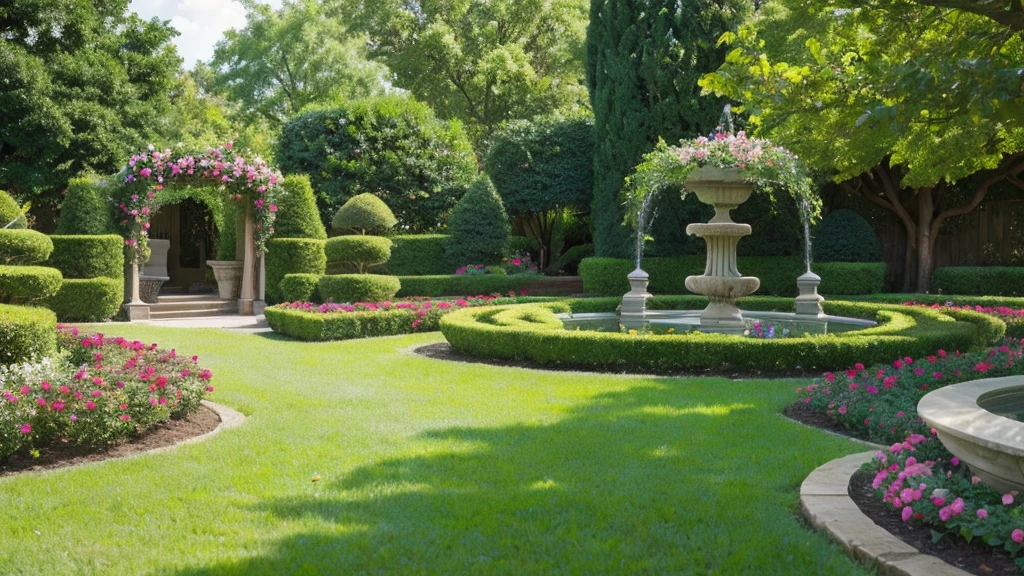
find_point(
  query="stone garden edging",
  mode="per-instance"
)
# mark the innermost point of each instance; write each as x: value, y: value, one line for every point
x: 826, y: 503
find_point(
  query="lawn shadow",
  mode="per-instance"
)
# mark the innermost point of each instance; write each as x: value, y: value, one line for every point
x: 665, y: 477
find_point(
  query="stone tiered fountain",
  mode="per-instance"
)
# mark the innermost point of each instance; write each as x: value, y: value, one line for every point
x: 722, y: 283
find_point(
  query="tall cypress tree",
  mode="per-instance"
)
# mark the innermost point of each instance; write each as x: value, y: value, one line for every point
x: 644, y: 58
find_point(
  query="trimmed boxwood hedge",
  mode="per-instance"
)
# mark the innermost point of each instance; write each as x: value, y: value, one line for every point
x: 19, y: 284
x: 24, y: 247
x: 87, y: 300
x: 452, y: 285
x: 358, y: 252
x: 300, y: 288
x: 420, y: 255
x: 980, y: 280
x: 358, y: 287
x: 82, y: 257
x: 533, y: 332
x: 778, y: 274
x: 292, y: 256
x: 26, y: 333
x: 339, y: 326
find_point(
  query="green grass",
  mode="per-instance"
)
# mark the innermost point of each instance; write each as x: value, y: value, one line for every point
x: 431, y: 467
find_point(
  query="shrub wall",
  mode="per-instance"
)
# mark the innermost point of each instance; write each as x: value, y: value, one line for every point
x: 420, y: 255
x: 300, y: 288
x: 292, y: 256
x: 19, y: 284
x: 339, y: 326
x: 980, y: 280
x: 358, y: 287
x: 87, y: 300
x: 533, y: 332
x: 778, y: 274
x: 88, y: 256
x: 451, y: 285
x: 26, y: 333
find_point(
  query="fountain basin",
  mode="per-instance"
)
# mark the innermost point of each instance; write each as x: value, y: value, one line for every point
x: 682, y: 321
x: 721, y: 287
x: 978, y: 422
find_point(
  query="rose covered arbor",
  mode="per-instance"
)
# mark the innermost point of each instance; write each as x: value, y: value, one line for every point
x: 252, y: 184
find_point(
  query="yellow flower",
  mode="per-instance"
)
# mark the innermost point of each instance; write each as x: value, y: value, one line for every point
x: 316, y: 478
x: 632, y: 332
x: 671, y: 330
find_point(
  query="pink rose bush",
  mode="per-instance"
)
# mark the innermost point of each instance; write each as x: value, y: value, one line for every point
x: 943, y: 495
x: 243, y: 181
x: 101, y: 390
x: 879, y: 403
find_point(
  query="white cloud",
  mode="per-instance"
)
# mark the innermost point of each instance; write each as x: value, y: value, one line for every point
x: 201, y: 22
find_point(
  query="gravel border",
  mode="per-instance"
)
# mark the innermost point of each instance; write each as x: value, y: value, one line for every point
x: 826, y: 503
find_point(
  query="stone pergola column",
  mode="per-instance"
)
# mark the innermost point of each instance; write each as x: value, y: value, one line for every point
x: 134, y: 307
x: 246, y: 302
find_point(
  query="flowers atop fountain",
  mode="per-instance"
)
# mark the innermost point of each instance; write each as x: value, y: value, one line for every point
x: 722, y: 170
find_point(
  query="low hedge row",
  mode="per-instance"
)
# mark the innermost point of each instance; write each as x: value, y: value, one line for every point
x: 450, y: 285
x: 24, y: 247
x: 420, y: 255
x: 778, y: 274
x: 343, y: 326
x: 26, y: 333
x: 82, y: 257
x: 533, y: 332
x: 357, y: 288
x: 291, y: 256
x: 979, y: 280
x: 20, y: 284
x: 87, y: 299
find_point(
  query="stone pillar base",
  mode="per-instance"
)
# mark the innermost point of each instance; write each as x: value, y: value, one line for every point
x: 246, y: 306
x: 258, y: 306
x: 136, y: 312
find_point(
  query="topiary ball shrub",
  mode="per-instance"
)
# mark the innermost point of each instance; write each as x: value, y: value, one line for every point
x: 87, y: 300
x: 24, y: 247
x: 292, y: 256
x: 20, y: 284
x: 478, y: 228
x: 10, y: 211
x: 297, y: 214
x: 299, y: 287
x: 845, y: 236
x: 88, y: 256
x: 358, y: 253
x: 364, y: 214
x: 87, y: 208
x: 358, y: 288
x: 26, y: 334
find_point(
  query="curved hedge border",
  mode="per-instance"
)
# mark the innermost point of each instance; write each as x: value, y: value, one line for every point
x: 87, y: 300
x: 26, y: 333
x: 533, y: 332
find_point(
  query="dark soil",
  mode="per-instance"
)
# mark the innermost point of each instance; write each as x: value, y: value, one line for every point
x: 805, y: 415
x: 976, y: 559
x: 63, y: 455
x: 444, y: 351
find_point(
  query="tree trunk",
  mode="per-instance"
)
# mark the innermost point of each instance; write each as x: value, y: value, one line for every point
x: 925, y: 214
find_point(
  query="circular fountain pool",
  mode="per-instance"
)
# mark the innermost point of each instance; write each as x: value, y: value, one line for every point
x: 765, y: 324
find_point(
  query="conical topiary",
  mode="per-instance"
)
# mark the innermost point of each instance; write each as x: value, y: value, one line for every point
x: 364, y: 214
x: 297, y: 215
x: 478, y: 228
x: 87, y: 209
x: 10, y: 212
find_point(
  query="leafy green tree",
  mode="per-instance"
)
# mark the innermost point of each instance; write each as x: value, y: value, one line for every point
x: 287, y: 59
x: 481, y: 61
x: 541, y: 167
x: 479, y: 226
x: 389, y: 146
x: 884, y: 107
x: 83, y: 83
x: 643, y: 63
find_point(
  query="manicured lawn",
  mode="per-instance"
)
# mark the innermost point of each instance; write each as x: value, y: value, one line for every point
x: 430, y: 467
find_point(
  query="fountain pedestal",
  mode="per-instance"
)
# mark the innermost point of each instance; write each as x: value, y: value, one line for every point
x: 722, y: 283
x: 634, y: 303
x: 808, y: 303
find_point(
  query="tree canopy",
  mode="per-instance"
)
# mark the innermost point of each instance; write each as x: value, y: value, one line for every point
x: 900, y: 104
x: 483, y: 62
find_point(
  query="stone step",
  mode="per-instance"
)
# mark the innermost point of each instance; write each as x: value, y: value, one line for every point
x: 179, y: 306
x: 155, y: 314
x: 176, y: 298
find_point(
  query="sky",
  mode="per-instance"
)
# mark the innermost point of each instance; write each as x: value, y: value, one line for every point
x: 201, y: 22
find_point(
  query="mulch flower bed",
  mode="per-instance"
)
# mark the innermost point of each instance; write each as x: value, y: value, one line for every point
x: 164, y: 434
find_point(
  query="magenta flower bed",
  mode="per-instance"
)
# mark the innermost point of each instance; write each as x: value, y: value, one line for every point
x: 879, y: 403
x: 941, y: 493
x: 103, y: 390
x: 1013, y: 317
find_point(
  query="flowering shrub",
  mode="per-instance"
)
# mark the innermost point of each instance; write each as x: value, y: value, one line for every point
x: 769, y: 166
x: 519, y: 264
x: 100, y: 390
x: 422, y: 312
x: 765, y: 331
x: 474, y: 270
x: 880, y: 403
x: 942, y: 493
x: 253, y: 182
